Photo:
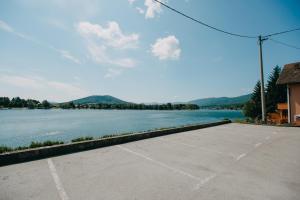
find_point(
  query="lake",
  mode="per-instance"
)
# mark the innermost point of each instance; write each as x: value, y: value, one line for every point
x: 18, y: 127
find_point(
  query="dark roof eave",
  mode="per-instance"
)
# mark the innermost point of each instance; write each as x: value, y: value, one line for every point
x: 290, y: 74
x: 286, y: 83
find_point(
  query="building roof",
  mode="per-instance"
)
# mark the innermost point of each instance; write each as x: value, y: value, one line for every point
x: 290, y: 74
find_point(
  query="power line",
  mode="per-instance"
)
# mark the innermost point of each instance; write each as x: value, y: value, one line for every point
x: 282, y: 32
x: 260, y: 40
x: 285, y: 44
x: 220, y: 30
x: 204, y: 24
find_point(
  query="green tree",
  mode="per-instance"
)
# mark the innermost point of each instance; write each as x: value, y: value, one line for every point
x: 4, y: 102
x: 31, y: 103
x: 17, y: 102
x: 46, y: 104
x: 68, y: 105
x: 274, y: 93
x: 252, y: 108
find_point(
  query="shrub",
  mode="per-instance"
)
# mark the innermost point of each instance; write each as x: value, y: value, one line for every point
x: 82, y: 139
x: 4, y: 149
x: 43, y: 144
x: 108, y: 136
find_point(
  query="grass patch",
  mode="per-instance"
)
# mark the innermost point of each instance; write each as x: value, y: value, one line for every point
x: 44, y: 144
x: 4, y: 149
x: 80, y: 139
x: 115, y: 135
x: 33, y: 145
x: 108, y: 136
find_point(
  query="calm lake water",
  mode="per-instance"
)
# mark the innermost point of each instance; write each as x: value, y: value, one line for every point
x: 20, y: 127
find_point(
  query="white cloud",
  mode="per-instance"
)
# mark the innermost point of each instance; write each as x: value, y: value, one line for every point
x: 39, y: 87
x: 104, y: 41
x: 99, y: 54
x: 140, y: 10
x: 166, y: 48
x: 57, y: 23
x: 153, y: 8
x: 125, y: 62
x: 20, y: 81
x: 65, y: 87
x: 111, y: 35
x: 4, y: 26
x: 67, y: 55
x: 131, y: 1
x: 112, y: 73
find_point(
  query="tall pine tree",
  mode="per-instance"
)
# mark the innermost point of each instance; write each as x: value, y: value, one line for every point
x: 274, y: 93
x: 252, y: 108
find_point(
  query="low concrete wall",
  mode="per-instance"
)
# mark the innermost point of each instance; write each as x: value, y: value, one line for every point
x: 45, y: 152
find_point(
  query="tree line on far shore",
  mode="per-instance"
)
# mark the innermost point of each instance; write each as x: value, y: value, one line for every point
x: 132, y: 106
x: 274, y: 94
x: 235, y: 106
x: 17, y: 102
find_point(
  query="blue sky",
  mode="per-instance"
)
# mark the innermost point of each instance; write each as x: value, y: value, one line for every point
x: 138, y: 51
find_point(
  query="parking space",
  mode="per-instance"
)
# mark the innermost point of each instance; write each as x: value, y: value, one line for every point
x: 232, y: 161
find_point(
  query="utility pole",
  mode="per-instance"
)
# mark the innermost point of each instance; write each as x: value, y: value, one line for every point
x: 262, y: 85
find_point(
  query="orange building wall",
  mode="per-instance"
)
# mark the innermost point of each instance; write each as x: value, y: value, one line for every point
x: 294, y: 102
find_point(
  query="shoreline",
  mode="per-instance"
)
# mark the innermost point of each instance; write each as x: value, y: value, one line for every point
x: 42, y: 143
x: 88, y: 109
x: 122, y: 109
x: 62, y: 149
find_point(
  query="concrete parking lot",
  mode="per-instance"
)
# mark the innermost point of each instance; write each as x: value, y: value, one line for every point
x: 232, y: 161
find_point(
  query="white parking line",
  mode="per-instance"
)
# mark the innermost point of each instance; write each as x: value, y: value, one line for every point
x: 198, y: 147
x: 160, y: 163
x: 204, y: 181
x: 258, y: 144
x: 62, y: 193
x: 182, y: 143
x: 241, y: 156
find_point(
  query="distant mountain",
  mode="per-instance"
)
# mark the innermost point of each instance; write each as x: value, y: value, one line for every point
x: 215, y: 101
x: 99, y: 99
